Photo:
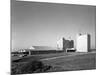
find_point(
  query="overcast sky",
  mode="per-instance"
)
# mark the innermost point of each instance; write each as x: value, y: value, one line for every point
x: 35, y: 23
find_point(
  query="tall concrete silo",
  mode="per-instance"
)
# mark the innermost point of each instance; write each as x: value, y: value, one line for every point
x: 60, y: 44
x: 83, y: 43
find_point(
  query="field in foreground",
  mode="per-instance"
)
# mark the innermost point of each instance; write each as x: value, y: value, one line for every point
x: 74, y: 62
x: 58, y: 62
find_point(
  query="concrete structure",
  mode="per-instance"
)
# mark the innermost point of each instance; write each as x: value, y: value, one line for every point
x: 65, y: 45
x: 60, y: 44
x: 68, y: 45
x: 83, y: 43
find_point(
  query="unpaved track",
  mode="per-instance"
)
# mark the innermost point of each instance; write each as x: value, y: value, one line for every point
x: 73, y: 54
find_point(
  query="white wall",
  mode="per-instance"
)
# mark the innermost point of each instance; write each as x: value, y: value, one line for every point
x: 60, y: 44
x: 82, y: 43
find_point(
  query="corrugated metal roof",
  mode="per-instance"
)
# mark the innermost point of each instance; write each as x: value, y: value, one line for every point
x: 41, y: 48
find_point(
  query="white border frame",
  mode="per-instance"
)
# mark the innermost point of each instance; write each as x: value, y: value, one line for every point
x: 5, y: 36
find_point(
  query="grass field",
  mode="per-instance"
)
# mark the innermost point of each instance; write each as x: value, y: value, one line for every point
x: 38, y: 56
x: 74, y: 62
x: 62, y: 61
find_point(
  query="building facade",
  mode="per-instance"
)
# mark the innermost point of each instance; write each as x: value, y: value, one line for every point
x: 83, y: 43
x: 65, y: 45
x: 68, y: 45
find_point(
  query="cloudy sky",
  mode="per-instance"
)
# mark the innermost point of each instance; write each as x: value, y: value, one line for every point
x: 34, y: 23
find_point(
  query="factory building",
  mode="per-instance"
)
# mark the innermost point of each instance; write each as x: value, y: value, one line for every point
x: 60, y: 44
x: 68, y: 45
x: 83, y: 43
x: 65, y: 45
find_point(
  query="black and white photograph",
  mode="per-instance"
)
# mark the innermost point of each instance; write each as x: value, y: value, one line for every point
x: 52, y: 37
